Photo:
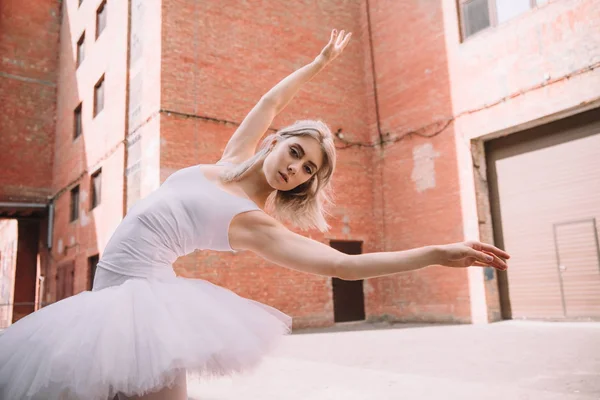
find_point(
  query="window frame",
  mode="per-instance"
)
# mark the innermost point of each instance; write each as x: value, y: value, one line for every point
x: 78, y: 111
x: 75, y: 200
x: 100, y: 83
x: 100, y: 9
x: 80, y: 46
x: 493, y: 16
x: 96, y: 195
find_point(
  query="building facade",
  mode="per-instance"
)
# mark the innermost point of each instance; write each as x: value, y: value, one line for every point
x: 440, y: 109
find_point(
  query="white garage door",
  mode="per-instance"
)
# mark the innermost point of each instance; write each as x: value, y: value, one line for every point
x: 545, y: 195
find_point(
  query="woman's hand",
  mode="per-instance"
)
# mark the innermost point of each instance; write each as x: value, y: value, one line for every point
x: 337, y: 44
x: 466, y: 254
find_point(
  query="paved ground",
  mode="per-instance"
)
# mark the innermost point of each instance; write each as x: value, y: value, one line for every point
x: 508, y: 360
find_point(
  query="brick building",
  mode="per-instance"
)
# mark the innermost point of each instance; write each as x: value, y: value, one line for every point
x: 449, y: 113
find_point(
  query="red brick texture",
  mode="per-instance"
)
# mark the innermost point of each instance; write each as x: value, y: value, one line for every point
x: 28, y: 68
x: 419, y: 206
x: 180, y: 75
x: 216, y: 67
x: 101, y: 145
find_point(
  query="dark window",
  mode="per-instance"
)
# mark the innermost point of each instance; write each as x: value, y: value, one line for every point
x: 75, y: 203
x: 477, y: 15
x: 92, y: 263
x: 96, y: 189
x: 77, y: 126
x: 99, y: 96
x: 81, y: 49
x: 100, y: 19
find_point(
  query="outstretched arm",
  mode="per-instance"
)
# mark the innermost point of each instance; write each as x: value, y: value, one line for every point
x: 263, y: 235
x: 242, y: 144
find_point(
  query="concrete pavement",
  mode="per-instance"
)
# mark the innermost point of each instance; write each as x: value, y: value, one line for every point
x: 507, y: 360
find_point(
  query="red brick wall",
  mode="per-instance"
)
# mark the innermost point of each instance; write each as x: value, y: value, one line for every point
x: 197, y: 68
x: 28, y: 69
x: 218, y: 60
x: 102, y: 143
x: 420, y: 193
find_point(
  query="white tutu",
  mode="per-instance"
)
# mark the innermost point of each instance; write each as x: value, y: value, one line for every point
x: 133, y: 339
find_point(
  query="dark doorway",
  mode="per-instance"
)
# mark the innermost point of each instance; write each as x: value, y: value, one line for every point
x: 348, y: 296
x: 92, y: 264
x: 26, y: 273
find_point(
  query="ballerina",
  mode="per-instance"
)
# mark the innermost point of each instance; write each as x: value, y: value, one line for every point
x: 142, y: 329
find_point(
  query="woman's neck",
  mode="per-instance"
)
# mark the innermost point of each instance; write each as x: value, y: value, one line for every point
x: 255, y: 185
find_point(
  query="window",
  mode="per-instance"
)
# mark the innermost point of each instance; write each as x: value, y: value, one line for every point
x: 92, y: 263
x: 77, y: 125
x: 96, y: 189
x: 100, y: 19
x: 99, y: 96
x: 75, y: 203
x: 477, y: 15
x: 80, y: 49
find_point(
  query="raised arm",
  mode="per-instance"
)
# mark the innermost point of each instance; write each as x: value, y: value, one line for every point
x: 261, y: 234
x: 242, y: 144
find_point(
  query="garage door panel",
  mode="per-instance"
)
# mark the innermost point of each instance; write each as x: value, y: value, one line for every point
x: 537, y: 184
x: 579, y: 266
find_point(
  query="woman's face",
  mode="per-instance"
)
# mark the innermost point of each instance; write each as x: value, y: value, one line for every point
x: 292, y: 161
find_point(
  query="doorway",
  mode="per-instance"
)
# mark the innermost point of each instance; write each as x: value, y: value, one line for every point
x: 348, y: 296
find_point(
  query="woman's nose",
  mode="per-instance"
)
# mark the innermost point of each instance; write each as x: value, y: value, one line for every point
x: 292, y: 168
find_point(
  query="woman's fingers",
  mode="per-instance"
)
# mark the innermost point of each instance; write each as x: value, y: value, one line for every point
x: 497, y: 262
x: 346, y: 40
x: 493, y: 249
x: 480, y: 264
x: 480, y: 256
x: 340, y: 38
x: 483, y: 258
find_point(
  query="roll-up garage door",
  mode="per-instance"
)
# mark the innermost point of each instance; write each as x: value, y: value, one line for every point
x: 545, y: 198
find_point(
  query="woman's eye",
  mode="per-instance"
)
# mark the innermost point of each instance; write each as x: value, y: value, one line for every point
x: 308, y: 170
x: 295, y: 152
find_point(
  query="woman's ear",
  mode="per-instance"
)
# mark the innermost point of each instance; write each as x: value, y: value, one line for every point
x: 273, y: 144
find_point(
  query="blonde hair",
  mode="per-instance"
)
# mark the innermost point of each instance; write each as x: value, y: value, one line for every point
x: 306, y: 205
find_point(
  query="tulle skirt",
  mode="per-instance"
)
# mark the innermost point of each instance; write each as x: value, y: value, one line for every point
x: 134, y: 338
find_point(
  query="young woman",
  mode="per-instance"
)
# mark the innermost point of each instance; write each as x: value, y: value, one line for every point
x: 141, y: 329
